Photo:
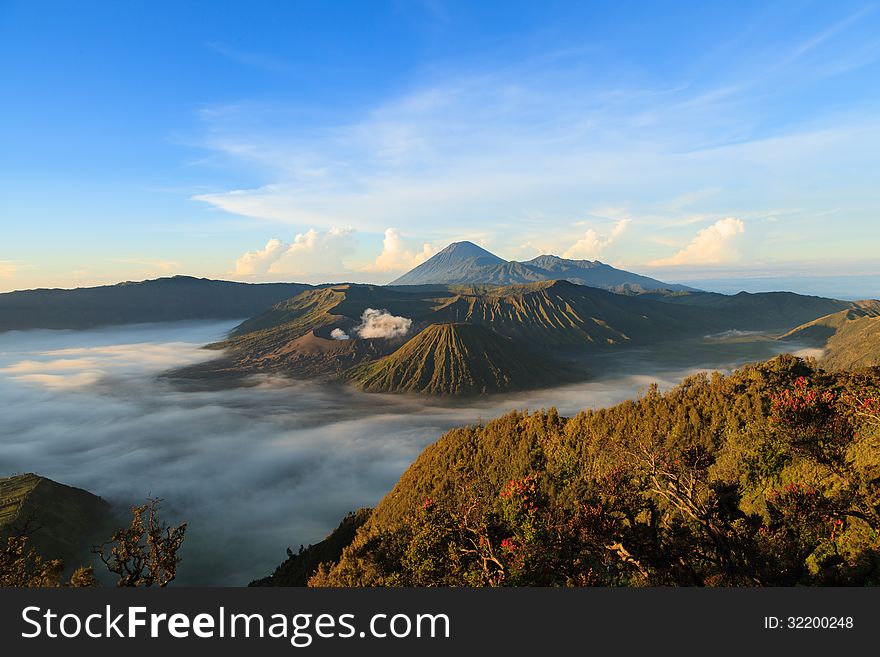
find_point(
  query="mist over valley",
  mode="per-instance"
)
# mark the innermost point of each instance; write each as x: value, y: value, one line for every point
x: 272, y: 461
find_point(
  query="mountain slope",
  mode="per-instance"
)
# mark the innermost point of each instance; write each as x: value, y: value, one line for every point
x: 466, y: 263
x: 759, y: 311
x: 315, y: 355
x: 554, y: 314
x: 460, y: 262
x: 297, y: 569
x: 851, y: 338
x: 159, y: 300
x: 546, y: 500
x: 67, y: 521
x: 447, y: 359
x: 557, y: 318
x: 338, y: 306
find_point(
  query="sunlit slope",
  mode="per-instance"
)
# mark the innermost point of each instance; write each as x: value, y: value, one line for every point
x: 851, y: 338
x: 339, y: 306
x: 554, y: 314
x: 558, y: 319
x: 456, y: 359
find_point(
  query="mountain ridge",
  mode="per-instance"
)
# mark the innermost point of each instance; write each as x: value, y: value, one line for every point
x: 173, y: 298
x: 466, y: 262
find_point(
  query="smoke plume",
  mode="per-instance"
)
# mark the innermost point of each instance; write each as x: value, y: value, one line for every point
x: 382, y: 324
x: 339, y: 334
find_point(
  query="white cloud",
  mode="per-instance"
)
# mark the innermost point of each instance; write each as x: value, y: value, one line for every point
x: 339, y: 334
x: 712, y: 245
x: 397, y: 256
x: 259, y: 261
x: 592, y: 243
x: 382, y: 324
x: 309, y: 253
x: 493, y: 147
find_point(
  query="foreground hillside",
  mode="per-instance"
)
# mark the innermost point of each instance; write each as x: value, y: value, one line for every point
x: 769, y: 476
x: 160, y: 300
x: 65, y: 521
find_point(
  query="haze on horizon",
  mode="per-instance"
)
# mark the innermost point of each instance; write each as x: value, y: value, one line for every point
x: 724, y: 147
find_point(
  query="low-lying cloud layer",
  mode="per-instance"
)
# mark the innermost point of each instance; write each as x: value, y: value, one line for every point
x: 253, y: 470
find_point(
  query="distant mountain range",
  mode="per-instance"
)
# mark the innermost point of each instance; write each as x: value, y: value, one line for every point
x: 160, y: 300
x: 467, y: 263
x: 474, y: 339
x: 467, y: 322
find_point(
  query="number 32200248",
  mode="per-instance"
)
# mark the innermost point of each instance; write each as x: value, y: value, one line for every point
x: 809, y: 622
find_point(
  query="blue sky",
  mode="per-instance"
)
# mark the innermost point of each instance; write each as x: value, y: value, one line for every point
x: 349, y: 141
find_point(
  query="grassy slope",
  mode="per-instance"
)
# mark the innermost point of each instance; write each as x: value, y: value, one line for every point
x: 851, y: 338
x: 67, y: 520
x: 456, y: 359
x: 727, y: 416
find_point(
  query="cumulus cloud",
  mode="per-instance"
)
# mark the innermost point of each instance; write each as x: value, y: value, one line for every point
x: 308, y: 253
x: 339, y: 334
x: 592, y: 243
x: 382, y: 324
x: 259, y: 261
x: 712, y: 245
x: 397, y: 256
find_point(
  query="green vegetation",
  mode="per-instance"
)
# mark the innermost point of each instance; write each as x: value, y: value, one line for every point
x: 769, y: 476
x: 299, y: 566
x: 457, y: 359
x: 850, y: 338
x: 40, y: 517
x: 22, y: 567
x: 145, y: 553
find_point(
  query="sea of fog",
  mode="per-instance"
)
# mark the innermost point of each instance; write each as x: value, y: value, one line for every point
x: 254, y: 469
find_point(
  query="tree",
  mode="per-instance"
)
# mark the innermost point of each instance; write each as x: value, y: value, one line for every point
x: 144, y: 554
x: 23, y: 567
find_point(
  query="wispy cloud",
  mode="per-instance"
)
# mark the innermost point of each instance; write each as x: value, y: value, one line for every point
x: 494, y: 146
x: 256, y: 60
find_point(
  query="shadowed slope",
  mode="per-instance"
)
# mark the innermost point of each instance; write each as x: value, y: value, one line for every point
x: 65, y: 521
x: 161, y: 300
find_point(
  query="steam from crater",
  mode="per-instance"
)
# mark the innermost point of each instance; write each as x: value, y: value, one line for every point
x: 339, y: 334
x: 382, y: 324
